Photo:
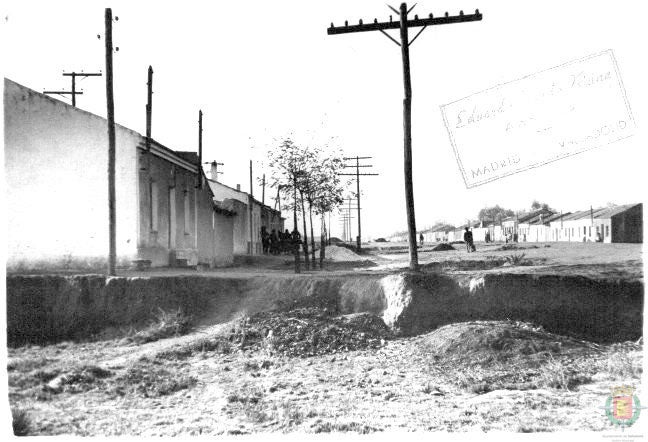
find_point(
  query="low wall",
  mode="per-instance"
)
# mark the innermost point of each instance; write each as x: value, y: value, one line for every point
x: 47, y: 308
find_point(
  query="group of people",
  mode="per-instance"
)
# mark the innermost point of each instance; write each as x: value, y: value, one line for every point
x: 276, y: 243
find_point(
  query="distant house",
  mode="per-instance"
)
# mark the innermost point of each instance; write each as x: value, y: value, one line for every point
x: 246, y: 240
x: 435, y: 234
x: 56, y: 157
x: 609, y: 224
x: 525, y: 223
x: 539, y: 227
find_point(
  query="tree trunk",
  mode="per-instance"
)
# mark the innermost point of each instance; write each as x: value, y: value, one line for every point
x: 310, y: 216
x: 305, y: 239
x: 323, y: 238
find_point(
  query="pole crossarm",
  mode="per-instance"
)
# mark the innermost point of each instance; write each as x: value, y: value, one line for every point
x: 64, y: 92
x: 416, y: 22
x: 81, y: 74
x: 356, y: 174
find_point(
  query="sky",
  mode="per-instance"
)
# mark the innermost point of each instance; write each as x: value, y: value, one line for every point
x: 260, y: 70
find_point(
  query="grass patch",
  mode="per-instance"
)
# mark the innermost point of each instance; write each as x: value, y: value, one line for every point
x: 21, y: 422
x: 343, y: 427
x: 517, y: 260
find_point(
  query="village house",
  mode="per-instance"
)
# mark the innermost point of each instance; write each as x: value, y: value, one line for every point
x: 246, y: 240
x: 609, y: 224
x: 56, y: 157
x: 539, y: 227
x: 526, y: 221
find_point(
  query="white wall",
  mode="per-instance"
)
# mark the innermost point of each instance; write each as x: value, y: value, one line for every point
x: 56, y: 159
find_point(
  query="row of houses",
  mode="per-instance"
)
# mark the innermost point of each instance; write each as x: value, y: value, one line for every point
x: 618, y: 224
x: 169, y: 213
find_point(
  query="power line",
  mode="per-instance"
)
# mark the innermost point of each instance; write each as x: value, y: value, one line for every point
x: 404, y: 24
x: 357, y: 175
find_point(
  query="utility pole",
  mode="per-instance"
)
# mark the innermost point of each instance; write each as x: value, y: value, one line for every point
x: 346, y: 213
x: 251, y: 199
x: 263, y: 190
x: 110, y: 104
x: 149, y: 109
x: 74, y: 92
x: 358, y: 175
x: 404, y: 44
x: 200, y: 132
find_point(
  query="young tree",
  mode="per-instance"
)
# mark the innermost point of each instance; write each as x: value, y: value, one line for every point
x: 326, y: 190
x: 288, y: 163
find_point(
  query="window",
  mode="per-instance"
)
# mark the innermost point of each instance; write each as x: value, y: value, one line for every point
x: 187, y: 214
x: 153, y: 206
x: 590, y: 231
x: 607, y: 230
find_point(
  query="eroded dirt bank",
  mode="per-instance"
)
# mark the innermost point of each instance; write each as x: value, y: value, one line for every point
x: 47, y: 308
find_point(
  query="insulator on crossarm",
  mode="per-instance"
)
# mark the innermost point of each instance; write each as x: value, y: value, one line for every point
x: 446, y: 14
x: 360, y: 22
x: 476, y: 11
x: 375, y: 20
x: 346, y: 23
x: 390, y: 19
x: 431, y: 16
x: 332, y: 25
x: 460, y: 12
x: 416, y: 17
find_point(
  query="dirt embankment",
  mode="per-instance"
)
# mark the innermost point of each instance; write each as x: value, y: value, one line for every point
x: 52, y: 308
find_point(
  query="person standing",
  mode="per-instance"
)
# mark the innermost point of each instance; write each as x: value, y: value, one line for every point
x: 468, y: 239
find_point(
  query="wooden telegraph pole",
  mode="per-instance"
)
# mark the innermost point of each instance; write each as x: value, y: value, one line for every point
x: 404, y: 24
x: 357, y: 174
x: 74, y: 92
x: 200, y: 133
x: 251, y: 200
x: 110, y: 104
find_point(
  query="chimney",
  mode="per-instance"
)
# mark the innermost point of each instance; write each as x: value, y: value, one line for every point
x: 238, y: 187
x: 214, y: 171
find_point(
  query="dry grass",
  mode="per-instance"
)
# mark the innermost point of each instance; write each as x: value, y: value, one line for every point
x: 21, y: 422
x: 151, y: 381
x: 165, y: 325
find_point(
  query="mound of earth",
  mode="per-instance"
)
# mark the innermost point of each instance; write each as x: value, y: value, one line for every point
x: 336, y: 253
x: 442, y: 247
x: 485, y: 341
x: 309, y: 332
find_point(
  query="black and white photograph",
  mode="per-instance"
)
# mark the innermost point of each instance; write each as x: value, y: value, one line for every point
x: 324, y: 219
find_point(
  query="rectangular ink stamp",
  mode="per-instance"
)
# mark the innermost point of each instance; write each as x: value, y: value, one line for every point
x: 540, y: 118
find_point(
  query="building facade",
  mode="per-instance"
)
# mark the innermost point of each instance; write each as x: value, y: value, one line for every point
x: 56, y: 158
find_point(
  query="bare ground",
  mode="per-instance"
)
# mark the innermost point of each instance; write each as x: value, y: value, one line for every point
x: 233, y: 378
x: 481, y: 376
